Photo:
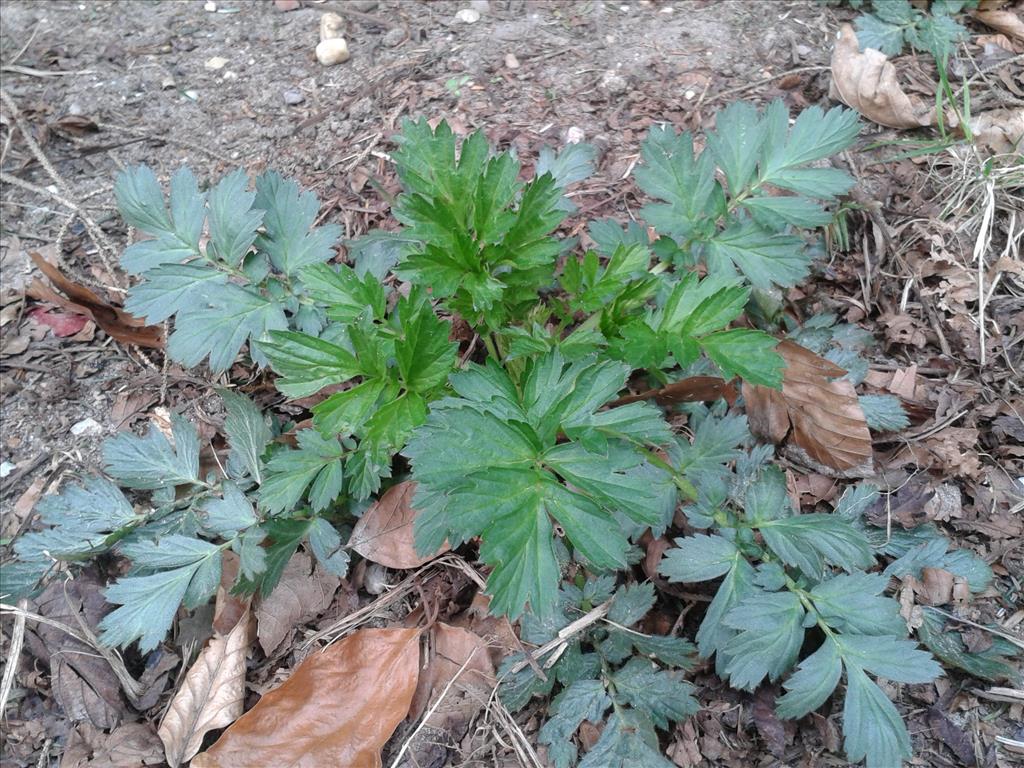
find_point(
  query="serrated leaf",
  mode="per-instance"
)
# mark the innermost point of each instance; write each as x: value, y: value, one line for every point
x: 736, y: 143
x: 248, y: 434
x: 771, y: 633
x: 229, y: 514
x: 346, y: 295
x: 699, y: 558
x: 763, y: 257
x: 627, y: 741
x: 316, y: 465
x: 883, y: 413
x: 815, y: 135
x: 934, y: 554
x: 872, y: 727
x: 810, y: 541
x: 150, y: 462
x: 148, y: 603
x: 233, y: 222
x: 854, y: 603
x: 172, y: 288
x: 517, y: 688
x: 632, y: 602
x: 821, y: 183
x: 424, y: 354
x: 666, y: 649
x: 714, y: 445
x: 284, y: 537
x: 893, y: 658
x: 307, y: 364
x: 608, y: 235
x: 670, y: 172
x: 714, y: 633
x: 658, y: 694
x: 798, y: 211
x: 937, y: 34
x: 812, y: 683
x: 291, y: 240
x: 993, y: 663
x: 582, y: 700
x: 325, y: 541
x: 873, y: 32
x: 746, y: 353
x: 230, y: 316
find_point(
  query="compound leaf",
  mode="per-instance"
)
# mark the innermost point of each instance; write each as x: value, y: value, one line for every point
x: 872, y: 727
x: 812, y: 683
x: 699, y: 558
x: 763, y: 257
x: 150, y: 462
x: 771, y: 633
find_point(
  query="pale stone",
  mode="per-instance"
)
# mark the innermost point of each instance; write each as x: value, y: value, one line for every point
x: 332, y: 51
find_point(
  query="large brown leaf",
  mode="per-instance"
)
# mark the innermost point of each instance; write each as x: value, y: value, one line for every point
x: 115, y: 321
x: 384, y: 533
x: 304, y: 592
x: 212, y: 696
x: 824, y: 413
x: 867, y: 82
x: 338, y: 708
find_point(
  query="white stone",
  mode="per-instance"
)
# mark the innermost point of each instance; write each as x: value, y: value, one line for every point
x: 6, y: 468
x: 332, y: 51
x: 87, y: 427
x: 210, y: 7
x: 689, y: 95
x: 216, y: 62
x: 511, y: 61
x: 331, y: 26
x: 468, y: 15
x: 574, y: 135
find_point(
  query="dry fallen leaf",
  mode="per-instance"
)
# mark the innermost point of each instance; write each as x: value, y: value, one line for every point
x: 303, y: 593
x: 131, y: 745
x: 999, y: 130
x: 867, y: 82
x: 694, y: 389
x: 1009, y: 22
x: 338, y: 708
x: 826, y: 418
x: 384, y: 533
x: 212, y: 695
x: 116, y: 322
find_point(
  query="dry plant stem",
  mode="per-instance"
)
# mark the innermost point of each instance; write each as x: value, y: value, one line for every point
x: 520, y: 744
x: 13, y: 655
x: 103, y: 244
x: 560, y: 643
x: 999, y: 633
x: 431, y: 710
x: 981, y: 244
x: 750, y: 86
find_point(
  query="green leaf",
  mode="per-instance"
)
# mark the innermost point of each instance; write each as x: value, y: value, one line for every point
x: 233, y: 222
x: 812, y: 683
x: 425, y: 355
x: 666, y: 649
x: 229, y: 317
x: 248, y: 435
x: 933, y: 554
x: 150, y: 462
x: 172, y: 288
x: 714, y: 445
x: 815, y: 135
x: 798, y: 211
x: 937, y: 34
x: 307, y: 364
x: 854, y: 603
x: 517, y: 688
x: 893, y: 658
x: 771, y: 634
x: 820, y: 183
x: 872, y: 728
x: 582, y: 700
x: 315, y: 465
x: 872, y: 32
x: 764, y: 258
x: 736, y: 143
x: 325, y: 541
x: 810, y: 541
x: 746, y: 353
x: 141, y: 203
x: 345, y: 413
x: 699, y: 558
x: 714, y: 633
x: 346, y: 295
x: 658, y: 694
x: 670, y: 172
x: 148, y: 603
x: 632, y: 602
x: 230, y: 514
x: 627, y: 741
x: 284, y: 536
x: 883, y: 413
x: 290, y: 239
x: 995, y: 663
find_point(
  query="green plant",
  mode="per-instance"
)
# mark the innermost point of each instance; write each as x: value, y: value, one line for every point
x: 894, y: 23
x: 519, y: 445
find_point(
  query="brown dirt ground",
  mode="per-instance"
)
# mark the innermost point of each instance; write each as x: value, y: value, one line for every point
x: 108, y: 84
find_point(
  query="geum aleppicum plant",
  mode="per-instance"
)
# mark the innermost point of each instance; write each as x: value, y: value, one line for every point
x: 518, y: 445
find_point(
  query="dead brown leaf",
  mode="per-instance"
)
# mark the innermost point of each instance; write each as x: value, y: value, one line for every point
x: 131, y: 745
x: 693, y: 389
x: 767, y: 722
x: 999, y: 130
x: 1008, y: 22
x: 115, y: 321
x: 867, y: 82
x: 936, y: 586
x: 304, y: 592
x: 339, y: 707
x: 212, y: 695
x: 384, y: 533
x: 826, y: 418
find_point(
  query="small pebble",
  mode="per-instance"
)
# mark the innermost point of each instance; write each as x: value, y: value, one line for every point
x: 393, y: 38
x: 331, y: 26
x: 167, y: 82
x: 689, y: 95
x: 332, y: 51
x: 6, y: 468
x: 87, y: 427
x: 194, y: 95
x: 216, y: 62
x: 613, y: 83
x: 468, y: 16
x: 210, y: 6
x: 574, y: 135
x: 511, y: 61
x: 293, y: 97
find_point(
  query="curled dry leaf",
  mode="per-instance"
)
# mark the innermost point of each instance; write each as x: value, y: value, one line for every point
x: 115, y: 321
x: 384, y: 533
x: 824, y: 413
x: 999, y: 130
x: 130, y: 745
x: 304, y: 592
x: 867, y: 82
x: 212, y: 696
x: 338, y: 708
x: 1007, y: 21
x: 693, y: 389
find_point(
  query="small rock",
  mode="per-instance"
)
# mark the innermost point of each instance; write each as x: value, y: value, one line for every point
x: 193, y: 95
x: 480, y: 6
x: 332, y: 51
x: 87, y: 427
x: 331, y: 26
x: 689, y: 95
x: 363, y: 5
x: 393, y: 38
x: 167, y: 82
x: 293, y: 97
x: 613, y: 83
x: 6, y: 468
x: 511, y: 61
x: 210, y: 6
x: 216, y: 62
x: 574, y: 135
x: 468, y: 16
